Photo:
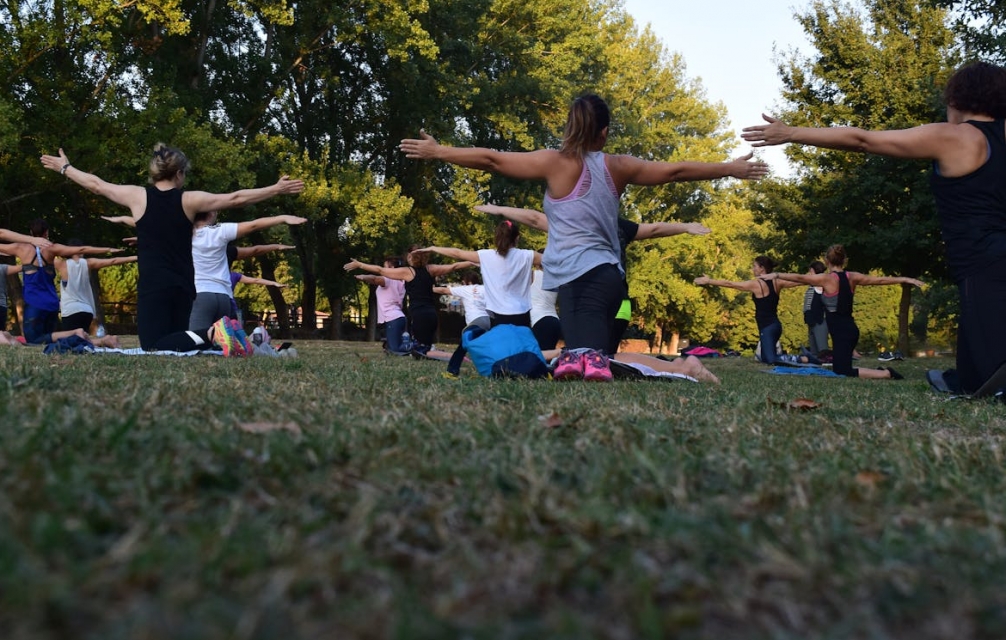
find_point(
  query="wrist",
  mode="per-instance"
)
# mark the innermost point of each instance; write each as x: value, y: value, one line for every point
x: 63, y: 169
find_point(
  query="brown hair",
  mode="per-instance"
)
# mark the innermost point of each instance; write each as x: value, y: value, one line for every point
x: 979, y: 87
x: 588, y: 116
x: 507, y: 234
x: 817, y: 266
x: 38, y: 227
x: 417, y: 259
x: 766, y: 263
x: 166, y: 162
x: 836, y: 255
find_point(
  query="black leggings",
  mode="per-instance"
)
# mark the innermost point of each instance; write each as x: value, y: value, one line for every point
x: 588, y: 306
x: 424, y: 325
x: 546, y: 332
x: 74, y: 321
x: 844, y: 336
x: 162, y: 313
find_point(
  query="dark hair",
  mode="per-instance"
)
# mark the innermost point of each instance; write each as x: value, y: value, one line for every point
x: 507, y: 234
x: 418, y: 259
x: 232, y: 252
x: 978, y: 87
x: 203, y: 216
x: 471, y: 276
x: 817, y: 266
x: 395, y: 261
x: 587, y: 118
x: 835, y: 255
x: 766, y: 263
x: 38, y: 227
x: 166, y: 162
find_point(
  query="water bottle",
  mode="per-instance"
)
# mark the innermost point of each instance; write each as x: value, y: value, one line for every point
x: 406, y: 341
x: 100, y: 332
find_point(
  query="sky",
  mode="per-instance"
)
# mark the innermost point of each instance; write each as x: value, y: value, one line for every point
x: 728, y: 45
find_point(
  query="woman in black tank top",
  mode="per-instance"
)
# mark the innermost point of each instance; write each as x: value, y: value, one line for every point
x: 839, y: 286
x: 163, y: 213
x: 766, y: 302
x: 418, y: 278
x: 969, y: 161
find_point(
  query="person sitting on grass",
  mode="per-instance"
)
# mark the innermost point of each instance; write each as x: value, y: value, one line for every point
x: 76, y: 300
x: 390, y: 307
x: 472, y: 295
x: 838, y: 287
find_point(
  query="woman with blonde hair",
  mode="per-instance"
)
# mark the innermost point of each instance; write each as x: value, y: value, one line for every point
x: 583, y: 188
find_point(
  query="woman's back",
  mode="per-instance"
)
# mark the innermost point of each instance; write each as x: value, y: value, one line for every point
x: 164, y: 243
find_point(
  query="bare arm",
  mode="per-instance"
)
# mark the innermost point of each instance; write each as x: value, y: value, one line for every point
x: 530, y: 217
x: 537, y: 259
x: 437, y: 270
x: 860, y: 279
x: 377, y: 281
x: 126, y: 195
x: 129, y: 221
x: 631, y: 170
x: 101, y: 263
x: 442, y: 291
x: 13, y: 269
x: 64, y: 251
x: 9, y: 236
x: 259, y: 249
x: 200, y: 201
x: 814, y: 280
x: 395, y: 273
x: 269, y: 283
x: 649, y: 230
x: 451, y: 252
x: 529, y: 165
x: 244, y: 228
x: 747, y: 285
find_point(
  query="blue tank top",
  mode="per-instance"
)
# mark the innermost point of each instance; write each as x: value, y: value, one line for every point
x: 40, y: 284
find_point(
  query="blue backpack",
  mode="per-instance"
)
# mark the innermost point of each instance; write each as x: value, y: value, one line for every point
x: 505, y: 351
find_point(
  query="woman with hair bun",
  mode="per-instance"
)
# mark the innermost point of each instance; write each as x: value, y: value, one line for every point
x: 583, y: 189
x: 766, y: 302
x: 968, y: 153
x: 164, y: 215
x: 838, y: 287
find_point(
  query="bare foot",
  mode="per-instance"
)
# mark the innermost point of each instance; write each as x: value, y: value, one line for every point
x: 694, y: 368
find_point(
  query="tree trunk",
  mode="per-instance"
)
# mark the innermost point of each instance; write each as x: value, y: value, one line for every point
x: 335, y: 331
x: 658, y: 339
x: 903, y: 309
x: 99, y: 309
x: 372, y: 315
x: 276, y: 295
x: 673, y: 348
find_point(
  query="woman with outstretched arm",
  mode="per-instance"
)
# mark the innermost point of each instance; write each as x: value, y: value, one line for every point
x: 968, y: 154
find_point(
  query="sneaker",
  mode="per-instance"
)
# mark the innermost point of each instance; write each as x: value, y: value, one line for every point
x: 596, y: 367
x: 450, y: 375
x: 242, y: 336
x: 569, y: 366
x: 225, y: 337
x: 886, y: 356
x: 936, y: 381
x: 894, y: 374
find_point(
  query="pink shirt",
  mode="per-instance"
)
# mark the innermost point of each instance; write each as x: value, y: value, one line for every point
x: 389, y: 300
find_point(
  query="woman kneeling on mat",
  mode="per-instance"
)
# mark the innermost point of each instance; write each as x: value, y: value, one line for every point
x: 839, y: 286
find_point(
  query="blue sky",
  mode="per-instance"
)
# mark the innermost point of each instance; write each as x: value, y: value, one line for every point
x: 728, y: 44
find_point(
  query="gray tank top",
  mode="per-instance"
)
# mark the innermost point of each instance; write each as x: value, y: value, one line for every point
x: 582, y: 227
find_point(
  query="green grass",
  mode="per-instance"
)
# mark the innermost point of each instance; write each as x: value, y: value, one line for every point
x: 133, y: 505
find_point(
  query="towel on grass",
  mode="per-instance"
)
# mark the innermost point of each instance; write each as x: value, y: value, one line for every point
x: 803, y: 371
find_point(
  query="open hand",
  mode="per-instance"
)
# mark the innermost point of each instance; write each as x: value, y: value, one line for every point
x: 288, y: 186
x: 764, y: 135
x: 423, y: 148
x: 352, y: 264
x: 701, y: 280
x: 55, y: 162
x: 744, y: 169
x: 696, y: 229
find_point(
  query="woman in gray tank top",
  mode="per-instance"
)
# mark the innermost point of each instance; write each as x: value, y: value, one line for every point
x: 583, y: 188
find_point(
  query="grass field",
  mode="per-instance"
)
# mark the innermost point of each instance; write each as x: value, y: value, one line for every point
x: 346, y: 494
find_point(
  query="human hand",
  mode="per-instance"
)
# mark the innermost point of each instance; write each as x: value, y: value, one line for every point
x: 423, y: 148
x: 294, y: 220
x: 701, y: 280
x: 131, y: 241
x: 744, y: 169
x: 422, y: 250
x: 764, y: 135
x: 55, y: 163
x: 491, y: 209
x: 40, y: 242
x: 696, y: 229
x: 917, y: 283
x: 769, y: 276
x: 288, y: 186
x: 352, y: 264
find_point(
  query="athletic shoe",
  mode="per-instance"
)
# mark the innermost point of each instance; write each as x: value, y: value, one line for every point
x: 450, y: 375
x: 936, y: 381
x: 242, y: 336
x: 894, y: 374
x: 886, y: 356
x: 225, y: 337
x: 569, y: 366
x: 596, y: 367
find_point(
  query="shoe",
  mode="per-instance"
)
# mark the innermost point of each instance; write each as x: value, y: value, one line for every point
x: 936, y: 381
x: 419, y: 351
x: 894, y: 374
x: 569, y: 366
x: 596, y: 367
x: 450, y: 375
x: 886, y: 356
x: 225, y: 337
x: 242, y: 336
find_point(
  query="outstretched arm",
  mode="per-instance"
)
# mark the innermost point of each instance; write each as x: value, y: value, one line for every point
x: 244, y: 228
x: 9, y: 236
x: 524, y: 165
x: 814, y: 280
x: 13, y: 269
x: 649, y: 230
x: 126, y: 195
x: 442, y: 291
x: 451, y: 252
x: 530, y: 217
x: 377, y: 281
x: 437, y: 270
x: 129, y: 221
x: 64, y: 251
x: 861, y: 279
x: 101, y: 263
x: 632, y: 170
x: 746, y: 285
x: 259, y: 249
x: 200, y: 201
x: 395, y: 273
x: 269, y: 283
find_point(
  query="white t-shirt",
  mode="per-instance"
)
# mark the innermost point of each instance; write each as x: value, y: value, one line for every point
x: 76, y: 295
x: 473, y: 299
x: 209, y: 257
x: 507, y: 281
x: 542, y: 301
